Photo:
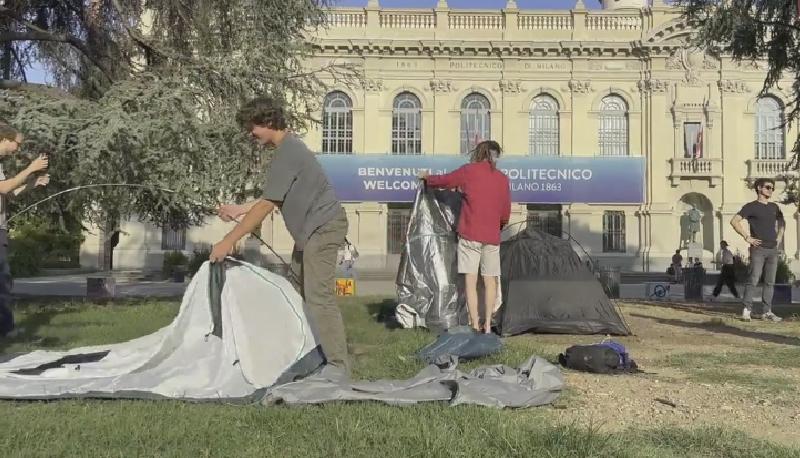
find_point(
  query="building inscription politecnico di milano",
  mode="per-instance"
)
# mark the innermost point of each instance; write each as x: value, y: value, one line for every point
x: 615, y: 130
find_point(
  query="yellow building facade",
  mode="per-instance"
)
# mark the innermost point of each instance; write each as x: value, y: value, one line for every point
x: 617, y: 82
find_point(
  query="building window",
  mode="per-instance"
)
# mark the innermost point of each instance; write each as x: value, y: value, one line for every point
x: 475, y: 121
x: 545, y: 218
x: 693, y: 140
x: 613, y: 134
x: 337, y: 124
x: 397, y: 228
x: 173, y: 239
x: 769, y: 129
x: 613, y: 232
x: 407, y: 124
x: 543, y: 129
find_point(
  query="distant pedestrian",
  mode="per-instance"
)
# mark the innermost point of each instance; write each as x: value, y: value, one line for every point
x: 727, y: 274
x: 677, y: 266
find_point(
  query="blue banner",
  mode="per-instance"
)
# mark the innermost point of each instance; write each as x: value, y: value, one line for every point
x: 533, y: 179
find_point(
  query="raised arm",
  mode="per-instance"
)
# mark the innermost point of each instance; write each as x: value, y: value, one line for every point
x: 258, y: 211
x: 450, y: 180
x: 7, y: 187
x: 231, y: 212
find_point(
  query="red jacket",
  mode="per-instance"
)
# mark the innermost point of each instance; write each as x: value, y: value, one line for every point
x: 486, y: 204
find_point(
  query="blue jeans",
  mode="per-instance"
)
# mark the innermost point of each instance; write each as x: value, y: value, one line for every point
x: 762, y: 260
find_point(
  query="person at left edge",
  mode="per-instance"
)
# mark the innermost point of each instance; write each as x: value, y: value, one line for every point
x: 10, y: 140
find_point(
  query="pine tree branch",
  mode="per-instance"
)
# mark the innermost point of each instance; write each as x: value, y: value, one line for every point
x: 139, y: 39
x: 776, y: 24
x: 36, y: 33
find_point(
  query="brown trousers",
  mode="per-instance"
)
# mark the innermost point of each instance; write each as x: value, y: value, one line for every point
x: 315, y: 268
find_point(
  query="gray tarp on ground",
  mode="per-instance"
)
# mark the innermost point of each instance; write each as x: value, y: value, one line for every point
x: 534, y: 383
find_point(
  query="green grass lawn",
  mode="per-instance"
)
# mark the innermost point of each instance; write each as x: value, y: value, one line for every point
x: 146, y: 428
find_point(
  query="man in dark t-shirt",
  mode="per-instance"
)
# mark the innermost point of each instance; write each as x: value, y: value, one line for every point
x: 766, y: 225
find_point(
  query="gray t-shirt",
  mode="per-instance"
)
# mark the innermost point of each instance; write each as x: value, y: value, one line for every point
x: 296, y: 181
x: 762, y: 218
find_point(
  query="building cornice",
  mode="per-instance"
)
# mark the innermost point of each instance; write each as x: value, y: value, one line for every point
x: 504, y: 49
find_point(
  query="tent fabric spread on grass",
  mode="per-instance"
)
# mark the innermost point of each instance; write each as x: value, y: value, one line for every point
x: 246, y: 340
x: 535, y: 382
x: 256, y: 335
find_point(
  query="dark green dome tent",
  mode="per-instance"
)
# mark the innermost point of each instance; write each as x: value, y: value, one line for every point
x: 547, y: 288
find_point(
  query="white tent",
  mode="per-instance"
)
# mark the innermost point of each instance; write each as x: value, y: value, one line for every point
x: 226, y: 345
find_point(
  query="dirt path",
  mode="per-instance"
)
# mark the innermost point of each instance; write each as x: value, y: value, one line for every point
x: 702, y: 367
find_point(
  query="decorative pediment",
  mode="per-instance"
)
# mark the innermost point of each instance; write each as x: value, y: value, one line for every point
x: 676, y: 32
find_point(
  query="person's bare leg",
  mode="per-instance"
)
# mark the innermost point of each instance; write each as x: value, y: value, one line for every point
x: 490, y: 297
x: 471, y: 285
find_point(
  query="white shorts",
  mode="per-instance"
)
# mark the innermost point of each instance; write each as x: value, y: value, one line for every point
x: 474, y: 255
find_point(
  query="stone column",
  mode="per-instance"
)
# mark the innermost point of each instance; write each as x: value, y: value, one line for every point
x: 579, y: 21
x: 511, y: 14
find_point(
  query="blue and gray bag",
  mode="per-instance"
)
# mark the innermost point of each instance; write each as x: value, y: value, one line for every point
x: 603, y: 358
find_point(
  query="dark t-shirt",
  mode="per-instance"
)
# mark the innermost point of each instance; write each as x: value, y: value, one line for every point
x: 762, y: 219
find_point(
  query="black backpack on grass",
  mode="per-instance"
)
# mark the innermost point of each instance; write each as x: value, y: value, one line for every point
x: 603, y: 358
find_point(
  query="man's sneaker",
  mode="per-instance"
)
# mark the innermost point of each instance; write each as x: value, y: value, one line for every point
x: 745, y: 315
x: 769, y: 316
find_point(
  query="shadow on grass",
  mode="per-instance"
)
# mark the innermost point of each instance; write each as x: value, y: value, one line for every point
x: 29, y: 327
x: 721, y: 327
x: 383, y: 312
x: 715, y: 308
x: 34, y: 314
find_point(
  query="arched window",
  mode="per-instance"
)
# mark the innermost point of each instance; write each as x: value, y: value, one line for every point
x: 543, y: 128
x: 337, y: 124
x: 475, y: 121
x: 613, y: 134
x: 406, y: 124
x: 769, y: 129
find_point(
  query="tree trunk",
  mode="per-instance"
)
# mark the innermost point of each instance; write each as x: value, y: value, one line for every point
x: 7, y: 61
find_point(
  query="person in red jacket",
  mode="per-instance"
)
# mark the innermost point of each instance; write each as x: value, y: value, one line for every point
x: 485, y: 210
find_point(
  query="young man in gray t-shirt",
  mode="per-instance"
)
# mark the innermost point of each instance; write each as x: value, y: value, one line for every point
x: 296, y: 183
x: 764, y: 235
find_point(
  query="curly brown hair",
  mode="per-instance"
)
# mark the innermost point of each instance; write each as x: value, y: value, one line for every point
x: 263, y: 111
